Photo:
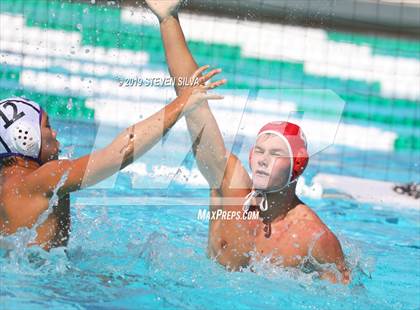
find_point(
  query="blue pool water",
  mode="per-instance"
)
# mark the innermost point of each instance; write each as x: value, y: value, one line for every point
x: 144, y: 256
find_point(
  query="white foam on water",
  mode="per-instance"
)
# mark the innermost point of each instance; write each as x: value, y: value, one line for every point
x: 180, y: 175
x: 23, y: 237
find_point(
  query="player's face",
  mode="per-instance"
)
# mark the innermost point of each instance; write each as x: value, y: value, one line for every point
x: 270, y: 163
x: 49, y: 145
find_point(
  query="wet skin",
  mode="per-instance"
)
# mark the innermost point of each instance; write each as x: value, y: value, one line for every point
x: 296, y: 232
x: 18, y: 202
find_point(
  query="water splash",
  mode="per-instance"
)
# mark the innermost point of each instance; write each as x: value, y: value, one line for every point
x: 17, y: 243
x: 308, y: 272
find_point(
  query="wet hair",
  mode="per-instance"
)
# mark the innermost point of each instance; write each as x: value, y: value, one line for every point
x: 8, y: 161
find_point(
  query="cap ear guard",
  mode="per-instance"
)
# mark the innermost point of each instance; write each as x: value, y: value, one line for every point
x: 25, y: 139
x: 299, y: 163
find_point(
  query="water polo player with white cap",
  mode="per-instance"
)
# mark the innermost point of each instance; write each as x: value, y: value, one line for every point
x: 21, y: 133
x: 32, y: 177
x: 285, y: 230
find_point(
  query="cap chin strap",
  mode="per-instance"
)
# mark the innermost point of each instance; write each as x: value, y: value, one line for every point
x: 263, y: 194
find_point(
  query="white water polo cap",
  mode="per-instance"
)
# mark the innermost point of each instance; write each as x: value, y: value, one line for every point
x: 20, y: 128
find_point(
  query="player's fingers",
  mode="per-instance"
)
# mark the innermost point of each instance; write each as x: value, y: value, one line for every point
x: 199, y: 71
x: 215, y: 84
x: 209, y: 75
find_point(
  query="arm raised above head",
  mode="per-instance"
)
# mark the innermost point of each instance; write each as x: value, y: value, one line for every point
x: 123, y: 150
x: 208, y: 144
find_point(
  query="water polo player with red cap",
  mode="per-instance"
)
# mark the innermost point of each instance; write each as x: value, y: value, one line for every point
x: 290, y: 152
x: 286, y: 230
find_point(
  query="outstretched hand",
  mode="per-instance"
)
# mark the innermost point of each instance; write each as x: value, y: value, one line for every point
x: 198, y: 93
x: 163, y: 8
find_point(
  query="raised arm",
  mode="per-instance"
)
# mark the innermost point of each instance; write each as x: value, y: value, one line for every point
x: 208, y: 144
x: 128, y: 146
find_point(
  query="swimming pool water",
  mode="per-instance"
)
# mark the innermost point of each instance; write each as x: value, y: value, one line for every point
x: 154, y: 256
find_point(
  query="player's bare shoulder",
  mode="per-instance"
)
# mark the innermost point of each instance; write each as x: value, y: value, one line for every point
x: 12, y: 186
x: 307, y: 221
